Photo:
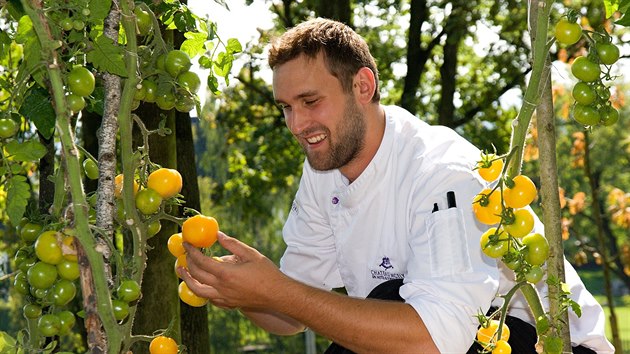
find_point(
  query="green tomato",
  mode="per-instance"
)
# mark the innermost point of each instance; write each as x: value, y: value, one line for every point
x: 63, y: 292
x: 32, y: 311
x: 609, y: 115
x: 76, y: 103
x: 144, y: 23
x: 78, y: 25
x: 608, y: 53
x: 177, y: 62
x: 41, y: 275
x: 583, y: 93
x: 8, y: 128
x: 49, y: 325
x: 150, y: 88
x: 166, y: 100
x: 585, y: 115
x: 184, y: 102
x: 584, y: 69
x: 148, y: 201
x: 30, y: 232
x: 20, y: 283
x: 66, y: 24
x: 81, y: 81
x: 189, y: 80
x: 68, y: 270
x: 90, y: 167
x: 534, y: 275
x: 153, y: 228
x: 536, y: 249
x: 67, y: 321
x: 48, y: 248
x: 494, y: 244
x: 128, y: 290
x: 121, y: 309
x: 568, y: 33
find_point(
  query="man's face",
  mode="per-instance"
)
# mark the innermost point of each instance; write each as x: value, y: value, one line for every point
x: 325, y: 120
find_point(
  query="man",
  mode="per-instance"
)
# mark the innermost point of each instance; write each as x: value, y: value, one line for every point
x: 371, y: 209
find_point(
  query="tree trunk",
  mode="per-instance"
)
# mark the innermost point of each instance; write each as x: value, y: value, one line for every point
x: 416, y: 55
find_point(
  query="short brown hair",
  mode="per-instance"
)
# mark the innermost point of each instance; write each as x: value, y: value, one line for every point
x: 345, y: 52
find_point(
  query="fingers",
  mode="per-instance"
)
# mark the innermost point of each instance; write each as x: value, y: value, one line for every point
x: 235, y: 246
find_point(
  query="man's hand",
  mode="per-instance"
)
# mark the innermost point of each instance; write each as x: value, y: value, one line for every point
x: 243, y: 279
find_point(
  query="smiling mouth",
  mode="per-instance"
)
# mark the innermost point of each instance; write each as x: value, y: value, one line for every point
x: 316, y: 139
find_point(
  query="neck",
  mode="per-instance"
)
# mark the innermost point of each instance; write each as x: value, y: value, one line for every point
x: 375, y: 121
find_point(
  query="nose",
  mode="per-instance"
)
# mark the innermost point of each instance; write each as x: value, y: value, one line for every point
x: 296, y: 120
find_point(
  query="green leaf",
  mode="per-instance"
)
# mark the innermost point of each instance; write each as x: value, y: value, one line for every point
x: 184, y: 21
x: 542, y: 324
x: 106, y: 56
x: 99, y: 9
x: 223, y: 64
x: 205, y: 62
x: 38, y: 109
x: 576, y: 308
x: 194, y: 43
x: 25, y: 30
x: 213, y: 84
x: 29, y: 150
x: 233, y: 46
x: 18, y: 193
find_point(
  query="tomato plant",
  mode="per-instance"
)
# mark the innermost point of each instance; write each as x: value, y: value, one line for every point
x: 521, y: 193
x: 148, y: 201
x: 81, y: 81
x: 189, y: 297
x: 536, y: 249
x: 567, y: 32
x: 584, y: 69
x: 166, y: 181
x: 200, y: 230
x: 163, y: 345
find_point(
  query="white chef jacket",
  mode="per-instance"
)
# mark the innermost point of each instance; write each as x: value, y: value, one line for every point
x: 382, y: 226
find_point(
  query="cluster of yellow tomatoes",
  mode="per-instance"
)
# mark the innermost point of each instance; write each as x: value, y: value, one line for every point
x: 504, y: 207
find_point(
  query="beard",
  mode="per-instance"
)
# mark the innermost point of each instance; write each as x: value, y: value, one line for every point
x: 346, y: 145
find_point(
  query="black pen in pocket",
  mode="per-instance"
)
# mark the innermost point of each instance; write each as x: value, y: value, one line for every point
x: 450, y: 199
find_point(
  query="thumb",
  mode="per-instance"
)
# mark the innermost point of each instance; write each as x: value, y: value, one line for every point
x: 238, y: 248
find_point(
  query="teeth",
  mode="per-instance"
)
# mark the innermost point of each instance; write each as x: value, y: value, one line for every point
x: 316, y: 139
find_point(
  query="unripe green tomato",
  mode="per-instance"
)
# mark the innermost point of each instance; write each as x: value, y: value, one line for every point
x: 41, y: 275
x: 121, y: 309
x: 128, y: 290
x: 609, y: 116
x: 30, y: 232
x: 151, y: 89
x: 177, y: 62
x: 536, y: 249
x: 584, y: 69
x: 81, y: 81
x: 90, y: 167
x: 583, y: 93
x: 63, y: 292
x: 32, y: 311
x: 48, y: 248
x: 49, y: 325
x: 8, y: 128
x: 585, y: 115
x: 68, y: 270
x: 76, y: 103
x: 67, y: 321
x: 148, y: 201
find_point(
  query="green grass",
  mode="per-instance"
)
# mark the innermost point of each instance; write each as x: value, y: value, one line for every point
x: 594, y: 281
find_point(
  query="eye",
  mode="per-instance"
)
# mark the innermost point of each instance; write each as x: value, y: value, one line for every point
x: 310, y: 102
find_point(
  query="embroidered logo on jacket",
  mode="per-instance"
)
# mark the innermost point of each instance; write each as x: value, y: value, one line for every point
x: 384, y: 271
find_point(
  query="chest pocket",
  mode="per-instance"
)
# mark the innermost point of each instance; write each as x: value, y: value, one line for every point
x: 448, y: 244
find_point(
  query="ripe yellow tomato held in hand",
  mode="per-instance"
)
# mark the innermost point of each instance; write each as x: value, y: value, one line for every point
x: 190, y: 298
x: 166, y: 181
x: 200, y: 231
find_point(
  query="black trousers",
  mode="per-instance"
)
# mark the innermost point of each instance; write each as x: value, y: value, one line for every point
x: 522, y: 339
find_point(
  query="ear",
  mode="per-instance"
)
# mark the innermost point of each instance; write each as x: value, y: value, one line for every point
x: 364, y: 85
